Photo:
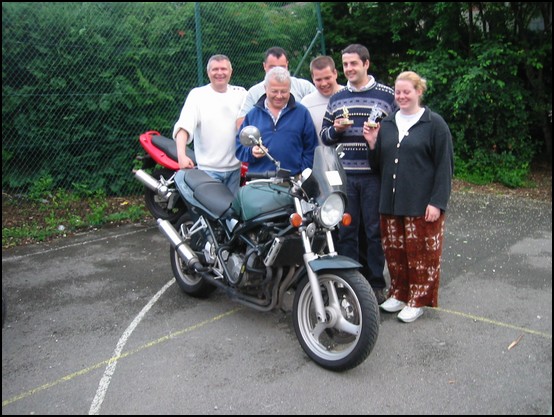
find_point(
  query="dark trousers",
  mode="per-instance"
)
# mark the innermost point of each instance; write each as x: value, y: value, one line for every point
x: 363, y: 205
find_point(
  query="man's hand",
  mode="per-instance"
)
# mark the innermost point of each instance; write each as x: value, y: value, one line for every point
x: 259, y: 151
x: 185, y: 163
x: 339, y: 126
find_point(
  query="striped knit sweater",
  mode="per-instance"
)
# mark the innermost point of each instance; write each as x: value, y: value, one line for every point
x: 359, y: 105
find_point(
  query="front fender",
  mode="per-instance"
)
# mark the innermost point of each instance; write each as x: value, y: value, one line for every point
x: 333, y: 262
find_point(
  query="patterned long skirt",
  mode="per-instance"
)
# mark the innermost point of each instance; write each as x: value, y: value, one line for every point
x: 413, y: 249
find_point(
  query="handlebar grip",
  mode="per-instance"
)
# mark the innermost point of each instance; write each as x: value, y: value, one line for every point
x: 260, y: 175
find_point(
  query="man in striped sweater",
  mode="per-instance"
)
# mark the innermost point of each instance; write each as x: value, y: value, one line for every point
x: 343, y: 123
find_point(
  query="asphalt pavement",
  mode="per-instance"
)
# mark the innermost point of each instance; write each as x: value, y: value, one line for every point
x: 97, y: 325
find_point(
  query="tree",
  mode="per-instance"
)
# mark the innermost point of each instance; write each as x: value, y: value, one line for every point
x: 488, y: 66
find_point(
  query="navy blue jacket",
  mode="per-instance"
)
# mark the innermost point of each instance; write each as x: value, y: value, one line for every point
x: 291, y: 141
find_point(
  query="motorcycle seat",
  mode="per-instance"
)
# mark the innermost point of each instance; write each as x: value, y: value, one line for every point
x: 169, y: 146
x: 212, y: 194
x: 216, y: 197
x: 195, y: 177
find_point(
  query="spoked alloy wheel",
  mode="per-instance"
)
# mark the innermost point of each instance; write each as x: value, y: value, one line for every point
x: 189, y: 281
x: 160, y: 207
x: 352, y: 327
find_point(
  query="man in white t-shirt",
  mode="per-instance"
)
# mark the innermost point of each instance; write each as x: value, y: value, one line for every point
x: 209, y: 118
x: 324, y: 75
x: 274, y: 57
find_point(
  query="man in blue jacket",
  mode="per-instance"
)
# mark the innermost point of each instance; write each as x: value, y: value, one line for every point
x: 286, y: 127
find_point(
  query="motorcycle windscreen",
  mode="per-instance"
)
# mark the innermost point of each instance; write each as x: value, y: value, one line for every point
x: 327, y: 175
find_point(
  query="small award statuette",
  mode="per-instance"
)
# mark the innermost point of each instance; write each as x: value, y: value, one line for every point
x: 345, y: 114
x: 372, y: 119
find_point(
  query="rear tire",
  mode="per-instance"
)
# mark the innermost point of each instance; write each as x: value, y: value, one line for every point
x: 158, y: 206
x: 189, y: 281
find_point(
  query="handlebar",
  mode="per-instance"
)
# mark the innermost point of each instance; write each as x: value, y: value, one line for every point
x: 260, y: 175
x: 279, y: 173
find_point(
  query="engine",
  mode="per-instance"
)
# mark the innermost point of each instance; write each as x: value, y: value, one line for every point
x: 245, y: 264
x: 234, y: 265
x: 245, y: 270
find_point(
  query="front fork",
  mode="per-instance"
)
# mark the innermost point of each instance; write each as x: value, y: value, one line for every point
x: 309, y: 256
x: 316, y: 289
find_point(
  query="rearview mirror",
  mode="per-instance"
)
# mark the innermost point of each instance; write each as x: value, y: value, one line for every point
x: 250, y: 136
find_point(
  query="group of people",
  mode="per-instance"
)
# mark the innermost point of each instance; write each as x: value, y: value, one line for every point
x: 398, y: 158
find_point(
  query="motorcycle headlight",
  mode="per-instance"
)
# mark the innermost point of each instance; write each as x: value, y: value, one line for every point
x: 331, y: 211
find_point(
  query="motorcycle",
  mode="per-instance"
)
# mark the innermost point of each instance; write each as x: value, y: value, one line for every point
x: 276, y: 237
x: 160, y: 195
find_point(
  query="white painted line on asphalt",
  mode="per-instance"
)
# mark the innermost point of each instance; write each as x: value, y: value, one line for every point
x: 110, y: 369
x: 18, y: 257
x: 218, y: 317
x: 121, y: 356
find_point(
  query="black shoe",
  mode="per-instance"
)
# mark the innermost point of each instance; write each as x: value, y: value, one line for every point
x: 380, y: 294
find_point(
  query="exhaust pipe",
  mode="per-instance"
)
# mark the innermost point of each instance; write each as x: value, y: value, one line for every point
x: 184, y: 251
x: 152, y: 183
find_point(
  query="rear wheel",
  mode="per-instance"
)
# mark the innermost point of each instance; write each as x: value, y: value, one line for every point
x: 352, y: 327
x: 189, y: 281
x: 170, y: 209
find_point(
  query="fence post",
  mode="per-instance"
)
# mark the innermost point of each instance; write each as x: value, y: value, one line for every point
x: 320, y: 27
x: 199, y: 59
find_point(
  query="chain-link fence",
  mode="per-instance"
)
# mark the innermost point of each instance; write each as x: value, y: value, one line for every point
x: 81, y: 81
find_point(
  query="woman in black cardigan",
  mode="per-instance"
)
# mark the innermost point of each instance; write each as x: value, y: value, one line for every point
x: 412, y: 149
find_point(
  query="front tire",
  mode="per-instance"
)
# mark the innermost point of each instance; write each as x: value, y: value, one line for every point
x: 352, y: 327
x: 189, y: 281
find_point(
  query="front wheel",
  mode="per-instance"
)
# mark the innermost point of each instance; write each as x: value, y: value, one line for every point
x: 352, y: 327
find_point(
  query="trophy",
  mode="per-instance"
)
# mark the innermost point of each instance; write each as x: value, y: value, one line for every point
x: 373, y: 116
x: 346, y: 121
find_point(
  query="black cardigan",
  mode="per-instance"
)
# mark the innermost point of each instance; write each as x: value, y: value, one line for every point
x: 416, y: 172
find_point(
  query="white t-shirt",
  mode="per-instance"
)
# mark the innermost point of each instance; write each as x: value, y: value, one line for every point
x: 298, y: 87
x: 210, y: 118
x: 405, y: 121
x: 316, y: 103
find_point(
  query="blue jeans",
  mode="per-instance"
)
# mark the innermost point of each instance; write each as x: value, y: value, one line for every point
x: 230, y: 178
x: 363, y: 204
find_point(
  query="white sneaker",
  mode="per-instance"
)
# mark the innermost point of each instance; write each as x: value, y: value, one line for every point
x: 409, y: 314
x: 392, y: 305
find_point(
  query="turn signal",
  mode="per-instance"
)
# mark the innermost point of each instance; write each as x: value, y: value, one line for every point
x: 346, y: 219
x: 295, y: 220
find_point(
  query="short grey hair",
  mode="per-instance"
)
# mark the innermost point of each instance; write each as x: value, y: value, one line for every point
x: 279, y: 74
x: 218, y: 58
